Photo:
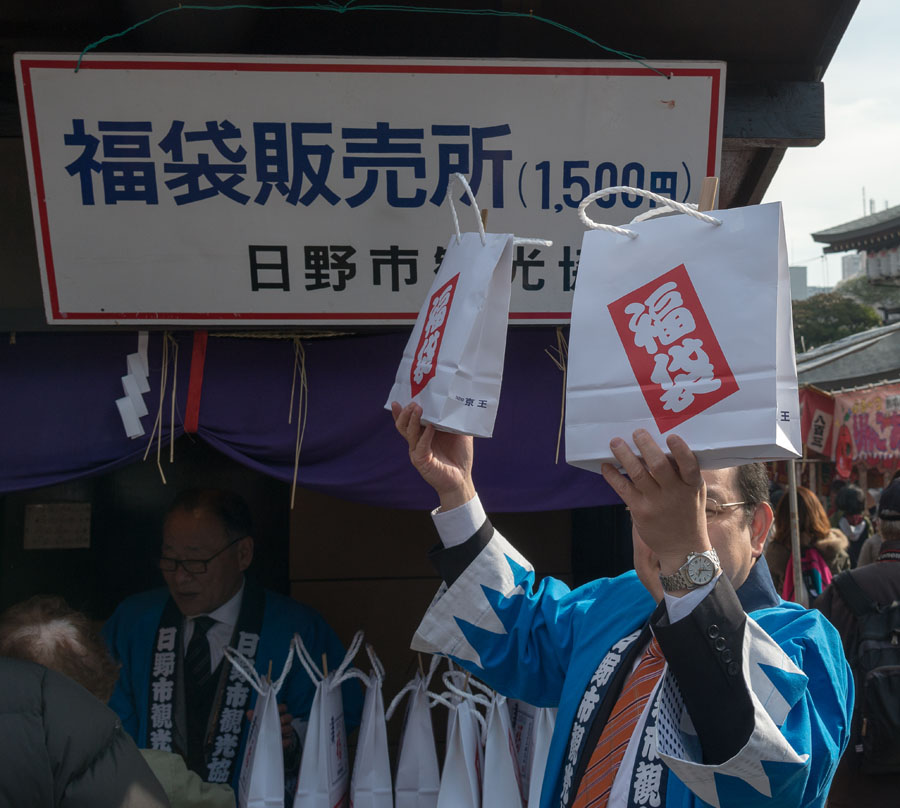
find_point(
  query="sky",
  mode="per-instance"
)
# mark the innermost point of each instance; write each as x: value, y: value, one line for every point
x: 822, y: 187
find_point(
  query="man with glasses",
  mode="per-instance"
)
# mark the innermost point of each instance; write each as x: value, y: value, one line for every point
x: 687, y: 682
x: 177, y: 691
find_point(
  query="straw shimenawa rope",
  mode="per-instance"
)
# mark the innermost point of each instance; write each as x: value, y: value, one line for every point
x: 560, y: 357
x: 302, y: 400
x: 169, y: 343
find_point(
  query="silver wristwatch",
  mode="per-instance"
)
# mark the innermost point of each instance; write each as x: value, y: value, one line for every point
x: 699, y: 569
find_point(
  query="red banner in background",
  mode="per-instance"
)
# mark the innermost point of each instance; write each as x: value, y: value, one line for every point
x: 816, y: 419
x: 867, y: 423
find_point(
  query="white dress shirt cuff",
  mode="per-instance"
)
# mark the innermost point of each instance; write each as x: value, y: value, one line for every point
x: 677, y: 608
x: 459, y: 524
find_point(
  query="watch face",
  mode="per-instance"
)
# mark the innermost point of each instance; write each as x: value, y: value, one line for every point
x: 700, y: 570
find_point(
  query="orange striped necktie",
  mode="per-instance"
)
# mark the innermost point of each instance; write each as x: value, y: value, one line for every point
x: 593, y: 790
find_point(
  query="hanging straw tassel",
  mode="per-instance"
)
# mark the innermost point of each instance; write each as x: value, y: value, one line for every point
x: 174, y: 343
x: 561, y: 360
x: 157, y: 424
x: 302, y: 401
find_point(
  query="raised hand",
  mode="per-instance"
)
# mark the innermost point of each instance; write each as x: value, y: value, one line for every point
x: 666, y: 497
x: 443, y: 459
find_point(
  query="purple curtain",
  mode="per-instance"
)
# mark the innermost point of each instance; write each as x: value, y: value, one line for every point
x: 57, y: 405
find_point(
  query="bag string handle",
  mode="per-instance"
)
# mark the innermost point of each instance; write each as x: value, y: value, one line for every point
x: 375, y: 678
x: 432, y: 667
x: 342, y: 674
x: 439, y: 698
x: 418, y: 681
x: 245, y: 668
x: 482, y: 721
x: 395, y: 702
x: 377, y: 667
x: 466, y: 187
x: 484, y: 701
x: 315, y: 673
x: 535, y: 242
x: 662, y: 200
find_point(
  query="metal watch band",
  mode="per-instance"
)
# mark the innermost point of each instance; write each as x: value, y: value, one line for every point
x: 677, y: 581
x: 680, y: 580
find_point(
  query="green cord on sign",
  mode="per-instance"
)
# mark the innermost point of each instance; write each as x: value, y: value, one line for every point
x: 341, y: 8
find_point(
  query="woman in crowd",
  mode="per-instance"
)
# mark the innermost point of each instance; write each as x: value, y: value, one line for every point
x: 815, y: 532
x: 853, y: 519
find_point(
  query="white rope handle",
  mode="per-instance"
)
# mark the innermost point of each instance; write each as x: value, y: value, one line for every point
x: 342, y: 674
x: 535, y: 242
x: 439, y: 698
x: 465, y: 184
x: 315, y: 673
x: 377, y: 667
x: 417, y: 681
x: 245, y: 668
x: 463, y: 694
x: 481, y: 719
x: 276, y: 685
x: 395, y: 702
x: 662, y: 200
x: 432, y: 667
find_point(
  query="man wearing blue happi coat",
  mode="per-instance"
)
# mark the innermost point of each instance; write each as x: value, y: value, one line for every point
x: 177, y: 691
x: 752, y: 699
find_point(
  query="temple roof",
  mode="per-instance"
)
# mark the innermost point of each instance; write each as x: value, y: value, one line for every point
x: 877, y: 231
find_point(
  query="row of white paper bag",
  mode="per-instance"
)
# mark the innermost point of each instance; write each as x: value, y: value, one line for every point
x: 496, y: 749
x: 678, y: 324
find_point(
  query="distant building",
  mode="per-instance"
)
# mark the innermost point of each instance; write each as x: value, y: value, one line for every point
x: 876, y: 237
x: 852, y: 265
x: 799, y: 289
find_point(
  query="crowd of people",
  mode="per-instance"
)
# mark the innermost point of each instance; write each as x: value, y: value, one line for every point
x: 679, y: 683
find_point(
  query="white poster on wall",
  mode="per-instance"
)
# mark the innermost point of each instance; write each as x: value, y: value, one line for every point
x: 252, y: 190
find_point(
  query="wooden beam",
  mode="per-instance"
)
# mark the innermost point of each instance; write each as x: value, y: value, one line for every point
x: 774, y: 114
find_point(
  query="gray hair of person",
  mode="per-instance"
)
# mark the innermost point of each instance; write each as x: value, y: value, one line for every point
x: 229, y: 508
x: 46, y: 630
x: 753, y: 485
x: 890, y: 531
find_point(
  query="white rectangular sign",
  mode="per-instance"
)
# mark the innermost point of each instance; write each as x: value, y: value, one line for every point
x: 198, y: 189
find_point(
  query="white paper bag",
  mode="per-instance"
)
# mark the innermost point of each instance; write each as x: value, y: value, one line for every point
x: 542, y: 733
x: 370, y: 785
x: 453, y: 363
x: 463, y: 762
x: 685, y: 328
x: 462, y: 776
x: 324, y: 778
x: 502, y: 784
x: 261, y: 784
x: 418, y: 773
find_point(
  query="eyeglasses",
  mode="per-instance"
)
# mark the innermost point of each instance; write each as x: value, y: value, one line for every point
x: 194, y: 566
x: 714, y: 509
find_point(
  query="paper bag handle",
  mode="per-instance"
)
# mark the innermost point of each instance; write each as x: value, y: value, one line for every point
x: 245, y: 668
x: 465, y: 184
x: 691, y: 210
x: 410, y: 686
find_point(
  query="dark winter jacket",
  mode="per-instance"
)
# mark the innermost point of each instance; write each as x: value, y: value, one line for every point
x: 60, y: 746
x: 852, y: 788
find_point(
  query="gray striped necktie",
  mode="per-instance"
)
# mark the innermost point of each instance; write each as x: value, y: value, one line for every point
x: 197, y: 660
